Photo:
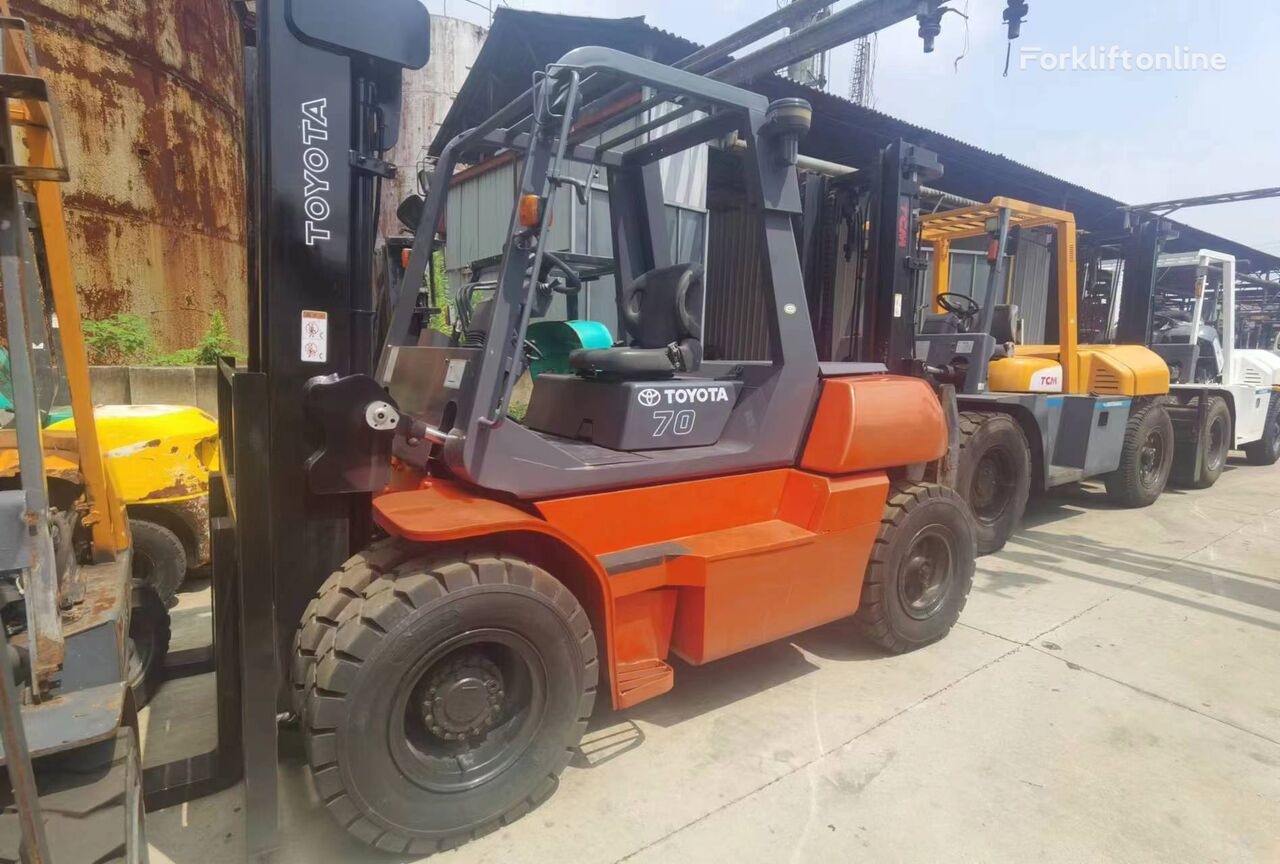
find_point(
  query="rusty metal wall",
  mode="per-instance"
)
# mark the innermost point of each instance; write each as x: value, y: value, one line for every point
x: 151, y: 104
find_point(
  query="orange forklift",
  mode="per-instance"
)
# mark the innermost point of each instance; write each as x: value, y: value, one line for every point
x: 649, y: 504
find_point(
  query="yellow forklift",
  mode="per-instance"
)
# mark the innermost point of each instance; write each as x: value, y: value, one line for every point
x: 1036, y: 416
x: 67, y: 714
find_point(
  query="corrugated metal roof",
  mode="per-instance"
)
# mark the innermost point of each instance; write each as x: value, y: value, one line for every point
x: 520, y: 42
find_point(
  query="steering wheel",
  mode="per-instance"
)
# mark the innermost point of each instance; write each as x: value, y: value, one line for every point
x: 962, y: 306
x: 1164, y: 320
x: 572, y: 281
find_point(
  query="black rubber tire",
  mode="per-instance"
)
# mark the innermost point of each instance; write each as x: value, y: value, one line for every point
x: 91, y: 799
x: 998, y: 437
x: 912, y: 509
x: 1213, y: 459
x: 150, y: 631
x: 355, y: 680
x: 1266, y: 450
x: 1127, y: 485
x: 320, y: 619
x: 159, y: 558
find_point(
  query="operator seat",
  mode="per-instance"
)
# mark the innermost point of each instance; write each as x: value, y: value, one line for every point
x: 1004, y: 317
x: 940, y: 324
x: 662, y: 314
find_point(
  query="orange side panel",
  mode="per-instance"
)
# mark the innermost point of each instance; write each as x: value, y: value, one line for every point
x: 867, y: 423
x: 755, y: 599
x: 785, y: 576
x: 608, y: 521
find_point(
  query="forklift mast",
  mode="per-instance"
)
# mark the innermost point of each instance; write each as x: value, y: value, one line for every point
x: 1140, y: 252
x: 896, y: 264
x: 320, y: 136
x: 323, y: 91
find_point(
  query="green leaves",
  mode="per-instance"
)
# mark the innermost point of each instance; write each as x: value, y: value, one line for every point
x: 126, y: 339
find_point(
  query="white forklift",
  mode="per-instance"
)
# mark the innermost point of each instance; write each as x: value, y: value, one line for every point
x: 1183, y: 305
x: 1240, y: 386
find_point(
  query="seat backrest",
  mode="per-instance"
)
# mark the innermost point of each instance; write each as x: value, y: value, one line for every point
x: 939, y: 323
x: 664, y: 306
x: 1004, y: 320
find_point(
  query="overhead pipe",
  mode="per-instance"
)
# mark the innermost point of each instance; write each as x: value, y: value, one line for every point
x: 861, y: 19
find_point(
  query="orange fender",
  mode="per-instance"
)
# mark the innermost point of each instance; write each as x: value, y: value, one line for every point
x: 444, y: 512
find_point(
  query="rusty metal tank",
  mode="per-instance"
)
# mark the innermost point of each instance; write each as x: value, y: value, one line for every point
x: 427, y: 96
x: 150, y: 93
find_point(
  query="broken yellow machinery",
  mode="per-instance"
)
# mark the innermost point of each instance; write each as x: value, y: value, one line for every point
x: 1035, y: 416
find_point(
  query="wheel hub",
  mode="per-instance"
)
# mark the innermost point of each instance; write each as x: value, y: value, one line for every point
x: 1217, y: 444
x: 927, y: 573
x: 464, y: 697
x: 992, y: 485
x: 1152, y: 458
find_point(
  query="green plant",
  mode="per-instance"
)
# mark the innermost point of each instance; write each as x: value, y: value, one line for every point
x: 440, y: 321
x: 119, y: 340
x: 214, y: 344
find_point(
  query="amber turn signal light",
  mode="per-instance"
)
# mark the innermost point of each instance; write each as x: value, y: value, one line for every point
x: 404, y: 258
x: 530, y: 210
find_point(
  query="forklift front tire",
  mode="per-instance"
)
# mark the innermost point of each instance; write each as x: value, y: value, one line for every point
x: 1266, y: 450
x: 921, y: 568
x: 448, y: 700
x: 150, y: 630
x: 994, y: 475
x: 92, y: 801
x: 1145, y: 460
x: 159, y: 558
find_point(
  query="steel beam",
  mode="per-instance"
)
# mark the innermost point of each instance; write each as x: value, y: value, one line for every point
x: 1164, y: 208
x: 860, y: 19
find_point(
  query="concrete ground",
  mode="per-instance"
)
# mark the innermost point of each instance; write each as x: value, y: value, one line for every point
x: 1112, y: 693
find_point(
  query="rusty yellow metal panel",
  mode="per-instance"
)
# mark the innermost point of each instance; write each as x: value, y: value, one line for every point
x: 150, y: 94
x: 160, y: 454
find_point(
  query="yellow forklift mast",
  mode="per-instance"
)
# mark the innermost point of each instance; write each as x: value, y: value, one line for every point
x: 1065, y: 367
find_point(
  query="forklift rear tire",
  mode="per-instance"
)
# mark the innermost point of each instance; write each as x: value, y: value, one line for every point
x: 921, y: 568
x: 1145, y: 460
x: 1266, y: 450
x: 447, y: 700
x: 994, y: 475
x: 1215, y: 439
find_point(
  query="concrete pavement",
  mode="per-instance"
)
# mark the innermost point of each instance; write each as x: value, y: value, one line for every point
x: 1111, y: 694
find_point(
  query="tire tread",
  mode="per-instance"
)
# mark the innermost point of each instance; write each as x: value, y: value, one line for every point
x: 331, y: 667
x: 873, y: 615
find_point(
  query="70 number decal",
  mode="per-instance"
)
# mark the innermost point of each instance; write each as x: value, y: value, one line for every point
x: 679, y: 422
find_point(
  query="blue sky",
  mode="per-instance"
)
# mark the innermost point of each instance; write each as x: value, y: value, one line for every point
x: 1137, y: 136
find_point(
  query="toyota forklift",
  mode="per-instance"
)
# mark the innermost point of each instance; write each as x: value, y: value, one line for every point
x: 652, y: 504
x: 1034, y: 417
